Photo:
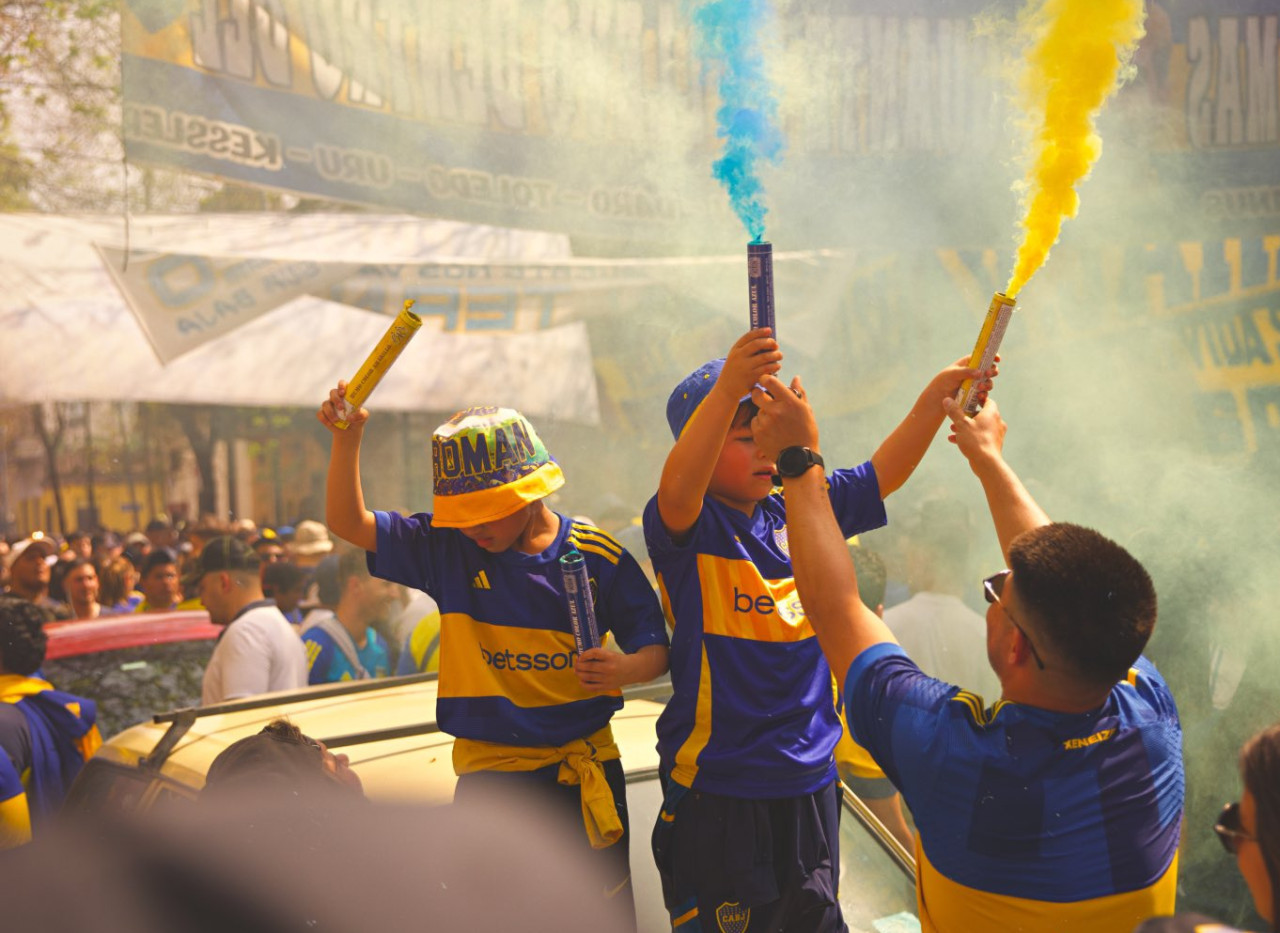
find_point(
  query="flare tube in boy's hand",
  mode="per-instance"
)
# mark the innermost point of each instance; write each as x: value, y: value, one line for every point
x: 379, y: 361
x: 984, y: 351
x: 760, y: 286
x: 582, y: 610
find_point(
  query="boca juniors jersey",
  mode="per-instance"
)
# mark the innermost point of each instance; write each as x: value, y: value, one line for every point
x: 506, y: 643
x: 753, y: 712
x: 1028, y: 819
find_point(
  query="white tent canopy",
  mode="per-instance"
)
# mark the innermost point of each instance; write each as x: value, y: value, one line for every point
x: 69, y: 335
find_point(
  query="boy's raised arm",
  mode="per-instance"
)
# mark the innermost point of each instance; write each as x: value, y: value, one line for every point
x: 896, y: 459
x: 345, y: 510
x: 687, y: 472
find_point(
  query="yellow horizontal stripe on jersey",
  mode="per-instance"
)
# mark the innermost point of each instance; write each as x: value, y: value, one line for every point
x: 946, y: 905
x: 739, y: 603
x: 530, y: 667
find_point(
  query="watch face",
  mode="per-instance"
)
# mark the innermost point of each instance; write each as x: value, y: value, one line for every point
x: 793, y: 461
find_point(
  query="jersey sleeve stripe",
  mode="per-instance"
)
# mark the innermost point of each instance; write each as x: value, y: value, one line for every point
x: 591, y: 533
x: 608, y: 555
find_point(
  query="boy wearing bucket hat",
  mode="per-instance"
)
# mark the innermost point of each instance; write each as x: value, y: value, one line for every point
x: 758, y: 755
x: 526, y: 709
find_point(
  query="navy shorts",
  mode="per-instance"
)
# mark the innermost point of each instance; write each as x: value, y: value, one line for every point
x: 566, y: 799
x: 738, y: 865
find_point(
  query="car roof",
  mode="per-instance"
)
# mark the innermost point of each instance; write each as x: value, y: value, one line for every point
x: 387, y: 728
x: 89, y: 636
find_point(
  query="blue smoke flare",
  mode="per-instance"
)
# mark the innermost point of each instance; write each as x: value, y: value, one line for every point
x: 727, y: 33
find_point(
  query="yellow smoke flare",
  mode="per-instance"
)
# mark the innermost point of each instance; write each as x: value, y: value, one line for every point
x: 1079, y: 48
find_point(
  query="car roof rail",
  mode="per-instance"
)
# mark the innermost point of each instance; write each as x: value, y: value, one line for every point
x: 275, y: 699
x: 654, y: 690
x: 382, y: 735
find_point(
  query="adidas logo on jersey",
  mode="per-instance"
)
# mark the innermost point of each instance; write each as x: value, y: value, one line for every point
x: 481, y: 581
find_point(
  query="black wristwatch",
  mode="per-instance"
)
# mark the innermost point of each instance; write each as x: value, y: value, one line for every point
x: 795, y: 461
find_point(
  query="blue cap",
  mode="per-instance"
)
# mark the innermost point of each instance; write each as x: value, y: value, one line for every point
x: 688, y: 395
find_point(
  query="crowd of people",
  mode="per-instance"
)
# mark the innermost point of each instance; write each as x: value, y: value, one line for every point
x: 1037, y: 751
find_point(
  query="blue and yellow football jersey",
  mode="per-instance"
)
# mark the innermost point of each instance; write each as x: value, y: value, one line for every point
x: 327, y: 663
x: 506, y: 646
x: 421, y: 651
x: 753, y: 712
x: 1028, y: 819
x: 15, y: 815
x: 62, y: 733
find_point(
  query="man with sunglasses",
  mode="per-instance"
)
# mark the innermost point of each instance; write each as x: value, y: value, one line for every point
x: 1059, y: 807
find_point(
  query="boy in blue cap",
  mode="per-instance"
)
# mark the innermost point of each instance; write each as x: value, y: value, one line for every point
x: 526, y: 709
x: 752, y: 725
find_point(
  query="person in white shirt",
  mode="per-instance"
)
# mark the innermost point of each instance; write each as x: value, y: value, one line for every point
x: 936, y: 629
x: 258, y: 651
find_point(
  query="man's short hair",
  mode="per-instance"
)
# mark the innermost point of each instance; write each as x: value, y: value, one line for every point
x: 328, y: 588
x: 872, y: 578
x: 352, y: 564
x: 1092, y: 600
x: 281, y: 576
x: 278, y: 761
x: 157, y: 557
x: 22, y: 636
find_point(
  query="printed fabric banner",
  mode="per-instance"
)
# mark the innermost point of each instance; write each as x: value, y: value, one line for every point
x: 599, y: 118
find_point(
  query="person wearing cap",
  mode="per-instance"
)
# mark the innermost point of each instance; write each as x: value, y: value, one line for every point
x: 106, y: 545
x: 526, y: 709
x: 30, y: 564
x: 754, y: 752
x: 160, y: 533
x: 311, y: 542
x: 257, y: 651
x: 46, y: 735
x: 268, y: 547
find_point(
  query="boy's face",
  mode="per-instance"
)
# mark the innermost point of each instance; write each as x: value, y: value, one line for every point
x: 497, y: 536
x: 743, y: 476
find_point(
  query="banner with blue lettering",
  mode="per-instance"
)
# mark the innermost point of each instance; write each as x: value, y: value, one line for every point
x: 599, y: 118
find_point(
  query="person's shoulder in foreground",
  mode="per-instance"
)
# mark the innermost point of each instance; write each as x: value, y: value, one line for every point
x: 46, y: 735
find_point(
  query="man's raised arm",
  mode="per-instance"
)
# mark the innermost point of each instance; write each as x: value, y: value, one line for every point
x: 825, y: 578
x: 981, y: 440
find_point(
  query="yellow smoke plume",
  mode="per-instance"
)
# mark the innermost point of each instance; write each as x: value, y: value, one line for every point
x: 1078, y: 48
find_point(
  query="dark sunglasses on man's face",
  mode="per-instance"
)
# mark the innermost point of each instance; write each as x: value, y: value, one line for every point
x: 992, y: 587
x: 1230, y: 830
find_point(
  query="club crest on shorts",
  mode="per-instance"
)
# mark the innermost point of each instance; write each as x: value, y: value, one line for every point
x: 780, y: 539
x: 733, y: 917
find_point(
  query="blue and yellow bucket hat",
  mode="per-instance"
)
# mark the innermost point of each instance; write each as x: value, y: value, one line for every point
x: 488, y: 463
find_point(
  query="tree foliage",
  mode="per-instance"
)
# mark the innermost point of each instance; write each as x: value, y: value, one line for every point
x: 60, y: 142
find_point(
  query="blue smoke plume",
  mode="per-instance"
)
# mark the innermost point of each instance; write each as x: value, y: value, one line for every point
x: 727, y: 32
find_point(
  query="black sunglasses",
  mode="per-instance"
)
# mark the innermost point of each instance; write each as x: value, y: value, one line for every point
x: 1230, y: 830
x: 992, y: 587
